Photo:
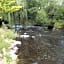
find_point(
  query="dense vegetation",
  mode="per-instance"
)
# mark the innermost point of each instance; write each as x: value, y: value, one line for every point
x: 30, y: 12
x: 6, y: 38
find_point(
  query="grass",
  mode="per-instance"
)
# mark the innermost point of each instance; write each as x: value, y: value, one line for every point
x: 6, y: 36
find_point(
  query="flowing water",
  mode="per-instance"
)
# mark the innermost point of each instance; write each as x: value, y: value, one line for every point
x: 42, y: 47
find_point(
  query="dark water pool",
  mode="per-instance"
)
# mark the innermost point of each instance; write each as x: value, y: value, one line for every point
x: 47, y: 47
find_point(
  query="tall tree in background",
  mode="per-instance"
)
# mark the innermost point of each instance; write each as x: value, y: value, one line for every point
x: 32, y: 9
x: 51, y: 11
x: 7, y: 7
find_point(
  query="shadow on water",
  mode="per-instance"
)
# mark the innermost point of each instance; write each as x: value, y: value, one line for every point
x: 42, y: 47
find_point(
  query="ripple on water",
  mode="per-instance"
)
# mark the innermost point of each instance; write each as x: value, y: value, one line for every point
x: 49, y: 46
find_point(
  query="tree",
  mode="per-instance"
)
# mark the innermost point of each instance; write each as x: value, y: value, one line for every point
x: 32, y: 9
x: 51, y: 11
x: 7, y: 6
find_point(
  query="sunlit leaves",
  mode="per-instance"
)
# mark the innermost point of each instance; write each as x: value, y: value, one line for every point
x: 41, y: 16
x: 8, y: 6
x: 12, y: 8
x: 9, y: 3
x: 58, y: 24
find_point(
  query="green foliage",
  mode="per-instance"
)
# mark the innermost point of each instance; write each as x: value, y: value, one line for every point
x: 12, y: 9
x: 59, y: 24
x: 45, y: 11
x: 8, y: 58
x: 7, y: 6
x: 34, y: 11
x: 32, y: 3
x: 41, y: 17
x: 5, y: 35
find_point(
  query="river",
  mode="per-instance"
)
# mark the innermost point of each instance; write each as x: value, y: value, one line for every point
x: 42, y: 47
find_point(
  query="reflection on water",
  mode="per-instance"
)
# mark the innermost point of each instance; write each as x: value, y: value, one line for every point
x: 45, y: 48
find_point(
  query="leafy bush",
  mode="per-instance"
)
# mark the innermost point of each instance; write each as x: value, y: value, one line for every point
x: 58, y: 25
x: 6, y: 36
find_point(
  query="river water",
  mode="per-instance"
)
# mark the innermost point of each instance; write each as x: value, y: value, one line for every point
x: 42, y: 47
